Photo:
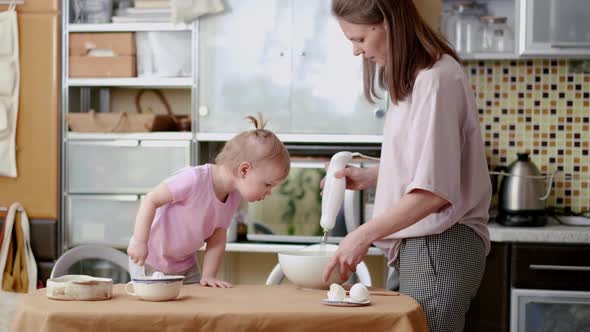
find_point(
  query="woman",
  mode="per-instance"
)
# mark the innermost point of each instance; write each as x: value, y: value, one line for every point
x: 433, y: 188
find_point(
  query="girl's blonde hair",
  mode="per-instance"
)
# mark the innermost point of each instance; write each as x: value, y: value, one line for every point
x: 254, y: 146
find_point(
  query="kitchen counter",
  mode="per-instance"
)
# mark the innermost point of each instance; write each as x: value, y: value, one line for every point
x: 277, y: 247
x: 553, y: 232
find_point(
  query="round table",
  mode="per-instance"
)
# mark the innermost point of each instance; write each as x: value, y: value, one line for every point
x: 242, y: 308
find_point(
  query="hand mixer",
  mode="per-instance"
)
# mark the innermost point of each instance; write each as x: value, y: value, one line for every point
x: 333, y: 193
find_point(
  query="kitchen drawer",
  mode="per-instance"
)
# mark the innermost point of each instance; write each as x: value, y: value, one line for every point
x: 122, y: 166
x: 559, y: 267
x: 101, y: 219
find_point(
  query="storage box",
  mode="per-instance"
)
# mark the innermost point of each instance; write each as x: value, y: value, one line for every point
x: 120, y: 43
x: 102, y: 55
x: 93, y: 66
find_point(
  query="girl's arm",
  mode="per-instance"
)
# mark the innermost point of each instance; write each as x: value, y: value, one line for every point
x: 410, y: 209
x: 143, y: 221
x: 212, y: 259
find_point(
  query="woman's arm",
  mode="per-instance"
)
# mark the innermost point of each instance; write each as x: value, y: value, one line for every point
x: 143, y: 221
x: 410, y: 209
x: 213, y: 258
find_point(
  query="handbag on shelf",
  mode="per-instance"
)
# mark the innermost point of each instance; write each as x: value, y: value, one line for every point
x: 127, y: 122
x: 179, y: 122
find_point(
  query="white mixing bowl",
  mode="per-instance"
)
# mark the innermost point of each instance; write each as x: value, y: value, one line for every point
x: 305, y: 268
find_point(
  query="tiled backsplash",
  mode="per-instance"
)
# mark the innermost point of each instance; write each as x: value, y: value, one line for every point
x: 541, y: 107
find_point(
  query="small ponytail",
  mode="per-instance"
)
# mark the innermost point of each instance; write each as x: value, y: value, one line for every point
x: 258, y: 121
x: 254, y: 145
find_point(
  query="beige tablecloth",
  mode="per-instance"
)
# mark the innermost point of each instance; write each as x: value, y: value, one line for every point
x: 242, y: 308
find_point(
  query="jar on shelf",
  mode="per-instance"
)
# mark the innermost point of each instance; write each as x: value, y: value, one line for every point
x: 496, y: 35
x: 447, y: 23
x: 467, y: 26
x: 93, y: 11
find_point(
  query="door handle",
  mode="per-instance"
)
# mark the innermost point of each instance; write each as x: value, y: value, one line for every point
x: 559, y: 267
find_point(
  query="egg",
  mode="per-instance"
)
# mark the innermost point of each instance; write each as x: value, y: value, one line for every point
x: 158, y: 275
x: 359, y: 293
x: 336, y: 293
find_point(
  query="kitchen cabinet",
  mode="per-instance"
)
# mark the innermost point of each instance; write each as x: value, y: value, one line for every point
x: 538, y: 28
x: 481, y: 30
x: 465, y: 27
x: 554, y: 28
x: 550, y: 289
x: 287, y: 59
x: 563, y: 267
x: 489, y: 310
x: 522, y: 278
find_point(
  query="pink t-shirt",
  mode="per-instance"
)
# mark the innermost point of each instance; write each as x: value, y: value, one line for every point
x: 432, y: 141
x: 181, y: 227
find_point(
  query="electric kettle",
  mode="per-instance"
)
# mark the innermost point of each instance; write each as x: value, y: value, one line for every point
x: 523, y: 194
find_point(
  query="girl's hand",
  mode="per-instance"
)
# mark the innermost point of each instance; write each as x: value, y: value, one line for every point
x: 350, y: 253
x: 138, y: 252
x: 213, y: 282
x: 357, y: 178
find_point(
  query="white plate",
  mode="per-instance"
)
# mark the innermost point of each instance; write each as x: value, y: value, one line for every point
x: 575, y: 220
x: 347, y: 302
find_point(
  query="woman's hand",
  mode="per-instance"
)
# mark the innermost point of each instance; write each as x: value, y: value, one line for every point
x: 350, y: 253
x: 138, y: 252
x: 357, y: 178
x: 213, y: 282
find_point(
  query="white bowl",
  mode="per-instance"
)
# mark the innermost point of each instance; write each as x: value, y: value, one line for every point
x: 305, y: 268
x: 149, y: 289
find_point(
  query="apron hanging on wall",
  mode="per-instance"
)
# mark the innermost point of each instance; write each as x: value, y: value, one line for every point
x: 9, y: 90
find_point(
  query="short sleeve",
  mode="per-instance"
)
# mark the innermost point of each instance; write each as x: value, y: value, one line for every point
x: 181, y: 184
x: 439, y: 104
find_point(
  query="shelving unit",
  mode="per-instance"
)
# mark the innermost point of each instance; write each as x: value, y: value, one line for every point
x: 120, y: 27
x: 89, y: 207
x: 131, y: 136
x: 152, y: 82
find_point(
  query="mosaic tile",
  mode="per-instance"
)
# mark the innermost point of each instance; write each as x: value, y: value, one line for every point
x: 542, y: 107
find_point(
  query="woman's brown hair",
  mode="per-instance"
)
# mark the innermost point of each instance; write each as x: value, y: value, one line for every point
x: 411, y: 44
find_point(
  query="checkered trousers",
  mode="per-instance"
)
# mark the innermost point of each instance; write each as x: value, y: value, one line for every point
x: 443, y: 272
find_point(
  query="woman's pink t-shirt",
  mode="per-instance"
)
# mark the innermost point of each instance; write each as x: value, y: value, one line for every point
x: 181, y: 227
x: 432, y: 141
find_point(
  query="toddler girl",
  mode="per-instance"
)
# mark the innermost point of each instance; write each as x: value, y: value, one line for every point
x: 196, y: 205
